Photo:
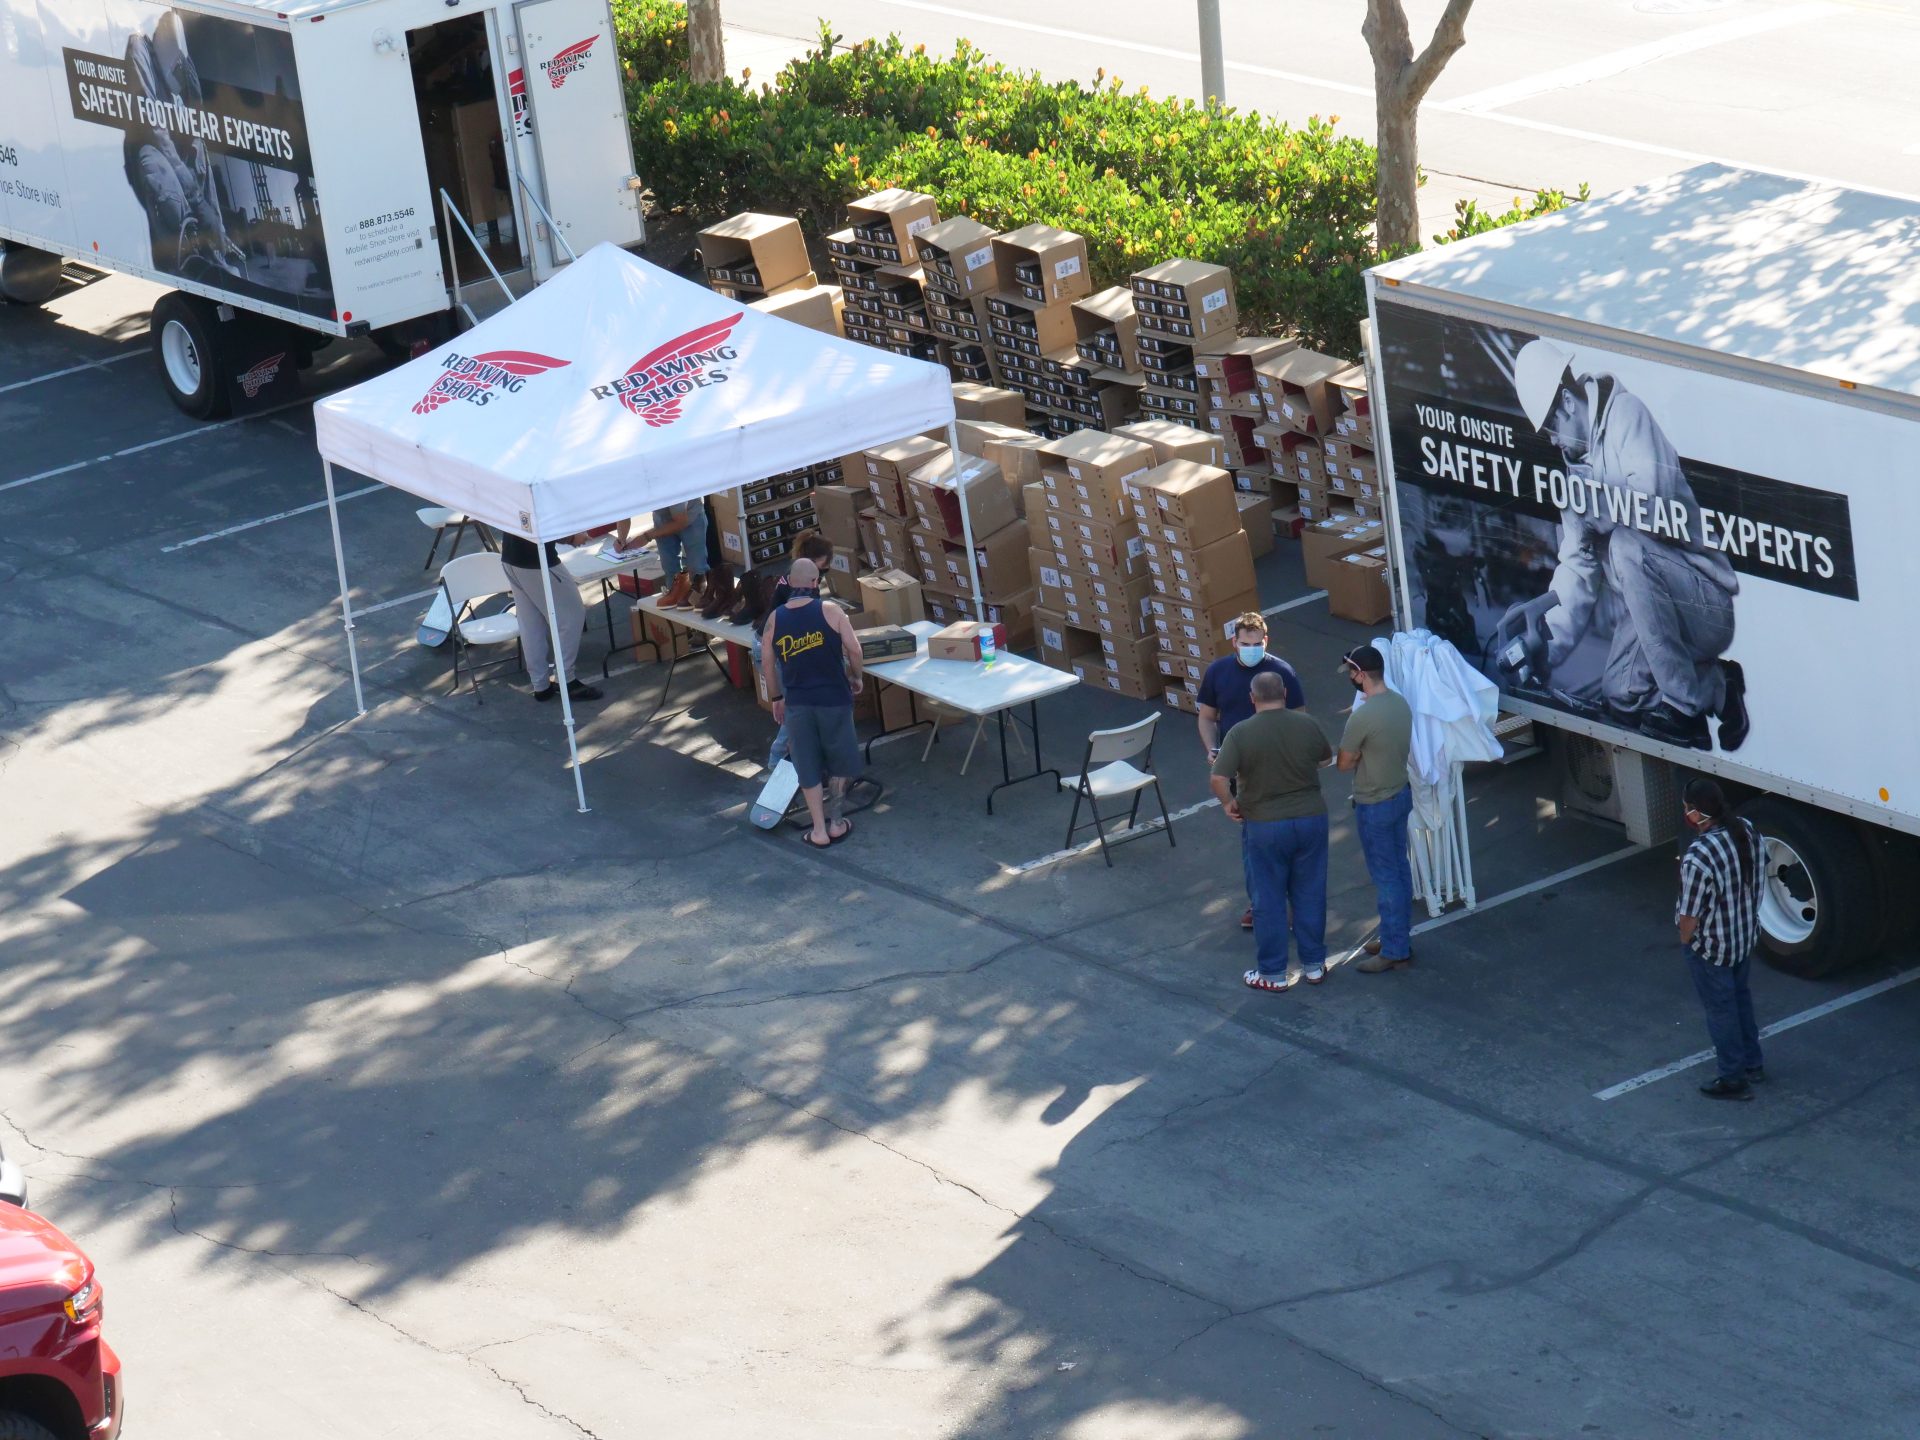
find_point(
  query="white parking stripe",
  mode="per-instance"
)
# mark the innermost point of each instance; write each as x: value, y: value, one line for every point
x: 389, y: 604
x: 71, y: 370
x: 1700, y: 1057
x: 267, y: 520
x: 192, y: 434
x: 1113, y: 837
x: 1521, y: 893
x: 1295, y: 603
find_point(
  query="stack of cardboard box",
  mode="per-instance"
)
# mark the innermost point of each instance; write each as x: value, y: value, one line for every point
x: 751, y: 256
x: 937, y: 491
x: 1200, y: 564
x: 1230, y: 395
x: 1181, y: 304
x: 885, y: 528
x: 1090, y: 562
x: 876, y: 262
x: 959, y: 273
x: 757, y: 523
x: 1041, y: 271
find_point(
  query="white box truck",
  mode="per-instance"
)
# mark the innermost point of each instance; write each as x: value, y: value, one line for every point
x: 284, y: 167
x: 1653, y: 466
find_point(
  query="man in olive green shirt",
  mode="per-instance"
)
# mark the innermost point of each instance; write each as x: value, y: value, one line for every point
x: 1275, y: 758
x: 1375, y: 746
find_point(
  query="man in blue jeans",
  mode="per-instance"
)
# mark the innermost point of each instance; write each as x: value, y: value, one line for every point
x: 681, y: 533
x: 1267, y: 778
x: 1375, y: 746
x: 1718, y: 916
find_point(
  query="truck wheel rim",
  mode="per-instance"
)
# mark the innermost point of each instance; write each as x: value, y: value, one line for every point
x: 181, y: 357
x: 1789, y: 905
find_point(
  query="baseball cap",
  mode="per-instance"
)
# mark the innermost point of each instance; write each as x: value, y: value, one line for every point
x: 1365, y: 657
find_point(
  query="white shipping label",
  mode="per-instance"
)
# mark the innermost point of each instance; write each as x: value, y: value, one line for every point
x: 872, y: 468
x: 1133, y: 547
x: 982, y: 256
x: 1160, y: 499
x: 1074, y: 471
x: 1064, y: 268
x: 920, y: 226
x: 1050, y: 577
x: 731, y: 541
x: 1213, y: 300
x: 843, y: 563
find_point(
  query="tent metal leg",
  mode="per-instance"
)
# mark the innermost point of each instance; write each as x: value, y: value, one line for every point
x: 346, y: 605
x: 561, y: 678
x: 966, y: 521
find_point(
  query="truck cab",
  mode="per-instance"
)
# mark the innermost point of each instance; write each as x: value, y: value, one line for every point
x: 59, y: 1379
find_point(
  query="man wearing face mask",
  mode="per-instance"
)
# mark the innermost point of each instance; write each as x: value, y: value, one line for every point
x: 1226, y: 692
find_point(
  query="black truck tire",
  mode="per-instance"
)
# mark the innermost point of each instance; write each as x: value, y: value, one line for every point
x: 188, y: 352
x: 18, y: 1427
x: 1822, y: 907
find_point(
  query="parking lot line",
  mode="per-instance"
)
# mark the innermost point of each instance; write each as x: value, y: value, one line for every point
x: 1572, y: 872
x: 1700, y: 1057
x: 70, y: 370
x: 1296, y: 602
x: 1112, y: 839
x: 268, y: 520
x: 397, y: 600
x: 196, y: 431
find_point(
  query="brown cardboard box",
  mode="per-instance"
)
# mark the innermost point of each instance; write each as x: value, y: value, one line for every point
x: 1295, y: 389
x: 1189, y: 299
x: 1073, y: 499
x: 958, y: 254
x: 1323, y: 543
x: 1097, y: 462
x: 755, y: 252
x: 908, y: 213
x: 1062, y: 645
x: 938, y: 490
x: 1288, y: 521
x: 1039, y: 535
x: 881, y: 643
x: 836, y: 510
x: 900, y: 459
x: 987, y: 402
x: 1041, y: 258
x: 1005, y: 571
x: 1104, y: 326
x: 1357, y: 589
x: 891, y: 597
x: 844, y: 572
x: 1223, y: 568
x: 892, y: 539
x: 1209, y: 625
x: 964, y: 641
x: 1171, y: 441
x: 1197, y: 500
x: 1256, y: 518
x: 1073, y: 531
x: 1135, y: 656
x: 1229, y: 361
x: 818, y: 307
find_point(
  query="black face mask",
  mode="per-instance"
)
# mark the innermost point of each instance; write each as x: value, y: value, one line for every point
x: 1353, y: 677
x: 803, y: 589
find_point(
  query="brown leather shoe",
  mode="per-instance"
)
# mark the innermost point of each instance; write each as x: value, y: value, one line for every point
x: 1380, y: 964
x: 1372, y: 947
x: 676, y: 592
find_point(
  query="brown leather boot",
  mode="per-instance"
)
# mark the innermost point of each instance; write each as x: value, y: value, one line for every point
x: 675, y: 594
x: 1380, y: 964
x: 720, y: 593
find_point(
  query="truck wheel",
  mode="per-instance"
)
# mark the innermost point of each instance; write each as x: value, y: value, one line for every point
x: 187, y: 351
x: 28, y: 276
x: 1821, y: 907
x: 19, y: 1427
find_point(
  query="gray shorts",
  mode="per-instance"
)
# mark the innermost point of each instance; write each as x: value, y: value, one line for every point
x: 821, y: 742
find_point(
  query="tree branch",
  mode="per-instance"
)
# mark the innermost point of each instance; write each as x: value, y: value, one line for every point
x: 1448, y: 36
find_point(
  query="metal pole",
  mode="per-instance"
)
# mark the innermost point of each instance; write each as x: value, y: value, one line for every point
x: 560, y: 676
x: 346, y: 605
x: 966, y: 516
x: 1213, y: 63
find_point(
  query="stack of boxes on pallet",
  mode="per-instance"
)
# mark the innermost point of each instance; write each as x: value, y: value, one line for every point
x: 757, y: 523
x: 762, y: 260
x: 1180, y: 305
x: 957, y: 259
x: 875, y: 260
x: 1031, y: 331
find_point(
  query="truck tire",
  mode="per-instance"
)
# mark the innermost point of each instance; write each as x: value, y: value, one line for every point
x: 18, y: 1427
x: 29, y: 276
x: 187, y: 351
x: 1822, y: 907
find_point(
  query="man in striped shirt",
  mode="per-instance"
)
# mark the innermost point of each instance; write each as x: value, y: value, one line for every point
x: 1719, y: 919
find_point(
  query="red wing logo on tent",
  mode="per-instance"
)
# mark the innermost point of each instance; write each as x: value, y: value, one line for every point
x: 262, y: 375
x: 655, y: 384
x: 567, y: 61
x: 478, y: 378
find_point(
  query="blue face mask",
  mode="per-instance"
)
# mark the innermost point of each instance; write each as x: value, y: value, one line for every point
x: 1251, y: 655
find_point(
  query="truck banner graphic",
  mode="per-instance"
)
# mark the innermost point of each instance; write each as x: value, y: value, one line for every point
x: 1563, y: 530
x: 215, y: 153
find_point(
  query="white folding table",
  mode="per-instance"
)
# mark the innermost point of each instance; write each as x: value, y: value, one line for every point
x: 694, y: 623
x: 978, y: 690
x: 587, y: 564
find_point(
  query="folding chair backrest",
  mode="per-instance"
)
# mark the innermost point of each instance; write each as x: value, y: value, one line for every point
x: 473, y: 577
x: 1106, y: 746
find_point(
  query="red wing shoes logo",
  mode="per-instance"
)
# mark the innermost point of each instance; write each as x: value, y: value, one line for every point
x: 262, y: 375
x: 478, y: 378
x: 567, y: 61
x: 654, y: 385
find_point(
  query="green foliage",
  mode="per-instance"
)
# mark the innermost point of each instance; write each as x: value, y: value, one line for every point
x: 1290, y: 208
x: 1469, y: 219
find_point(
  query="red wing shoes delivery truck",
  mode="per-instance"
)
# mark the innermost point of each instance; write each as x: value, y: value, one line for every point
x: 1653, y: 467
x: 304, y: 171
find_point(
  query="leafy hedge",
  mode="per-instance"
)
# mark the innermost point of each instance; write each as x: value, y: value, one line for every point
x: 1289, y: 208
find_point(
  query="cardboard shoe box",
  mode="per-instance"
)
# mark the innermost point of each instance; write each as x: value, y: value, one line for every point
x: 1172, y: 441
x: 1098, y: 463
x: 891, y: 597
x: 963, y: 641
x: 958, y: 256
x: 1256, y: 518
x: 1322, y: 544
x: 937, y: 490
x: 1196, y: 500
x: 887, y: 642
x: 1357, y: 589
x: 1221, y: 569
x: 885, y: 468
x: 987, y: 402
x: 751, y: 252
x: 889, y: 221
x: 1039, y: 264
x: 837, y: 509
x: 1188, y: 299
x: 1296, y: 390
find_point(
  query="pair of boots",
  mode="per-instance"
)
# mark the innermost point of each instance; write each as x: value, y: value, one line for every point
x: 711, y: 594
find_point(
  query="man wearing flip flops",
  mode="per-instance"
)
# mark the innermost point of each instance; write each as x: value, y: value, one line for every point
x: 812, y: 662
x: 1267, y: 778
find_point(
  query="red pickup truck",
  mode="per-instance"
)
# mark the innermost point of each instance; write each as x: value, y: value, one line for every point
x: 59, y: 1380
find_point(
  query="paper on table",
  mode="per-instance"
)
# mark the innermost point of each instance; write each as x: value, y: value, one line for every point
x: 610, y: 549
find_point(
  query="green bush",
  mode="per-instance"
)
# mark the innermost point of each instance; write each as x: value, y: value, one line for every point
x: 1469, y: 219
x: 652, y: 35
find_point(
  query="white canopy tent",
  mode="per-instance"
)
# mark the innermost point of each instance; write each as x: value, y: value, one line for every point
x: 613, y: 389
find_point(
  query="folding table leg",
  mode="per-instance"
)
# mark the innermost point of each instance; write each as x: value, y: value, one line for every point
x: 1006, y: 765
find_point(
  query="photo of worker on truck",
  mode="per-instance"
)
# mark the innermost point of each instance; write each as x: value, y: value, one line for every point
x: 1566, y: 544
x: 214, y: 153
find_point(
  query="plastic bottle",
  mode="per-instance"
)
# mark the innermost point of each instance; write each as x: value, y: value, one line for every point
x: 986, y: 647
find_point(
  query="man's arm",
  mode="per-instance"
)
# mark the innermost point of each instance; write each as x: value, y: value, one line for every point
x: 856, y: 663
x: 1296, y: 697
x: 1352, y: 742
x: 1696, y: 898
x: 1223, y: 792
x: 1209, y: 725
x: 770, y: 668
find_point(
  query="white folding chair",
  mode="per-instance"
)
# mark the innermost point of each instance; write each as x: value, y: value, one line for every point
x: 467, y: 580
x: 438, y: 518
x: 1109, y: 773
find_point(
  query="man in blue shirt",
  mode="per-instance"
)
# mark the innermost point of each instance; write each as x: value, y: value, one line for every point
x: 1226, y: 691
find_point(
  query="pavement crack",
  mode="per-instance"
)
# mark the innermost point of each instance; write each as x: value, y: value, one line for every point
x: 183, y: 1229
x: 1192, y: 1106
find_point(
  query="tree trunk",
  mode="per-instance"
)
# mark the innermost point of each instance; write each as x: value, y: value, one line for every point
x: 706, y: 45
x: 1401, y: 80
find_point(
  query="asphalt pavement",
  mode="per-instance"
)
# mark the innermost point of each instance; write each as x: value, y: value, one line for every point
x: 393, y: 1096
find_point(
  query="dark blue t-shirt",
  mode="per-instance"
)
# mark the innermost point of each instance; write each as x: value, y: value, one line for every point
x: 1228, y: 687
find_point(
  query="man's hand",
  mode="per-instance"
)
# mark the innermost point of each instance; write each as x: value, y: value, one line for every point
x: 1232, y: 807
x: 780, y: 712
x: 1527, y: 623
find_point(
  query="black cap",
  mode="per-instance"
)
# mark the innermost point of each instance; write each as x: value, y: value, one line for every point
x: 1364, y: 657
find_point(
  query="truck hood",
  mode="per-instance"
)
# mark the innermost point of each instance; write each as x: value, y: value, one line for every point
x: 38, y: 1265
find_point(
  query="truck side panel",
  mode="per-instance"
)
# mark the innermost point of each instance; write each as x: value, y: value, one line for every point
x: 1671, y: 520
x: 183, y: 136
x: 35, y: 196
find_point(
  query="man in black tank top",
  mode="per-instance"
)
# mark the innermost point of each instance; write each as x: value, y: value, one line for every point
x: 811, y: 659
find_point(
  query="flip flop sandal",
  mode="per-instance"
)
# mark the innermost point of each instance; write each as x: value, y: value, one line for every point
x: 1254, y: 980
x: 806, y: 839
x: 833, y: 839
